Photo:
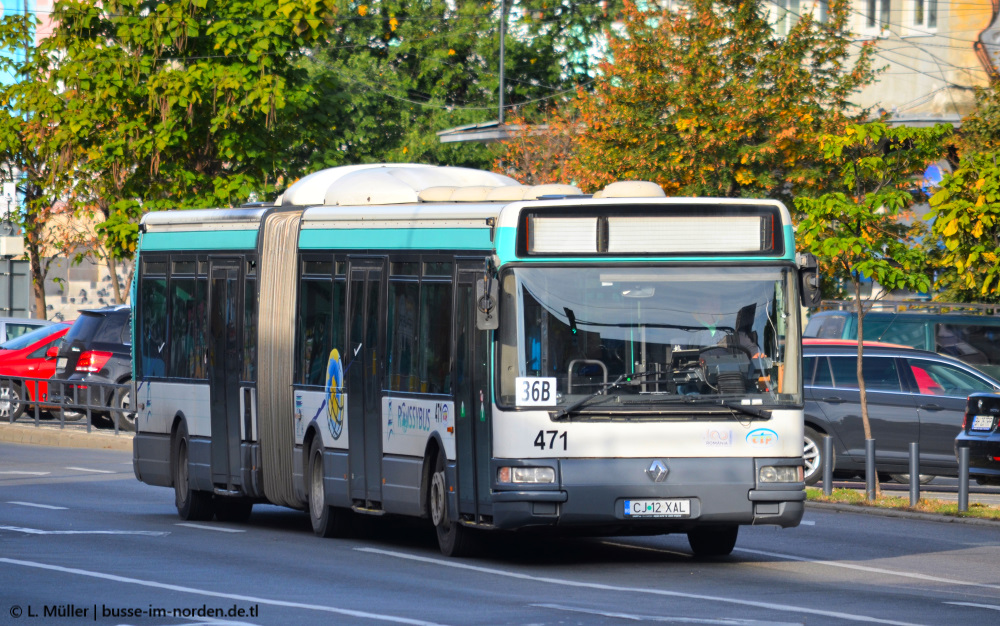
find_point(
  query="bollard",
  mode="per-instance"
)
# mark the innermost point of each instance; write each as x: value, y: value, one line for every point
x: 827, y: 465
x: 963, y: 480
x: 914, y: 473
x: 871, y: 476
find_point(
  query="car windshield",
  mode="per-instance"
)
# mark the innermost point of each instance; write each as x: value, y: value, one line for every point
x: 650, y: 336
x: 31, y: 338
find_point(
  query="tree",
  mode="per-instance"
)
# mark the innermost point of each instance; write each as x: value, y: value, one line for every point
x: 708, y: 99
x: 862, y: 230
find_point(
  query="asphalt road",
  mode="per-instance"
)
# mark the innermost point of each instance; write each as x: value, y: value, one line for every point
x: 81, y: 539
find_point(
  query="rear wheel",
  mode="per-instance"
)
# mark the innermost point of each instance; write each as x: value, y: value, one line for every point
x: 713, y: 541
x: 812, y: 455
x: 327, y: 521
x: 11, y: 405
x: 192, y: 505
x: 453, y: 538
x: 121, y: 410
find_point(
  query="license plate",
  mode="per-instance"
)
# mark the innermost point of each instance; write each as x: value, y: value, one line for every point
x: 982, y: 422
x: 657, y: 508
x: 61, y: 363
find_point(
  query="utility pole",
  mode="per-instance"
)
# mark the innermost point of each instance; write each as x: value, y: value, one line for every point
x: 503, y: 29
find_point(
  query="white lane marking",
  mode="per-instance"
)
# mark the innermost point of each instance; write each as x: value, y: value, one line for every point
x: 643, y: 590
x: 22, y: 473
x: 872, y: 570
x: 216, y: 594
x: 87, y: 469
x: 722, y: 621
x: 975, y: 605
x: 807, y: 523
x: 38, y: 531
x: 206, y: 527
x: 38, y: 506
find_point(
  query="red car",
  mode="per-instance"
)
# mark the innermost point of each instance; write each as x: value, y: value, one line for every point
x: 32, y: 355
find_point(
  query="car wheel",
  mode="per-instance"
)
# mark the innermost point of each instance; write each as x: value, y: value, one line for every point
x: 812, y: 456
x: 453, y: 538
x: 327, y: 521
x: 905, y: 478
x: 191, y: 505
x: 121, y: 411
x: 11, y: 406
x: 713, y: 541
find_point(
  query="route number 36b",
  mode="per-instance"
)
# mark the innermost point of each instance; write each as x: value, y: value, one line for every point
x: 535, y: 391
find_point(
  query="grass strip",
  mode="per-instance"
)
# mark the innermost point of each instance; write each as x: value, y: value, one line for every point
x: 937, y: 507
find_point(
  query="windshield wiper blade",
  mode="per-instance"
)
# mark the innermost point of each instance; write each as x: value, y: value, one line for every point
x: 618, y: 382
x: 747, y: 409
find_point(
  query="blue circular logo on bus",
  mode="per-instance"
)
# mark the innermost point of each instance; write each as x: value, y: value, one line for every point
x: 335, y: 394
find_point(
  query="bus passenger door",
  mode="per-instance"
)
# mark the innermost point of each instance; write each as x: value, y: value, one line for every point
x: 224, y: 371
x: 363, y: 372
x: 472, y: 401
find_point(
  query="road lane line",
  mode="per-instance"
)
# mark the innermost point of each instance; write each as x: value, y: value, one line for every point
x: 87, y: 469
x: 807, y: 523
x: 871, y: 570
x: 975, y: 605
x: 642, y: 590
x: 720, y: 621
x: 205, y: 527
x: 216, y: 594
x: 22, y: 473
x: 39, y: 506
x: 38, y: 531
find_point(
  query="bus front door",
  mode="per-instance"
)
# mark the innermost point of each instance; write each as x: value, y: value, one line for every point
x: 363, y: 373
x: 472, y: 402
x: 224, y: 371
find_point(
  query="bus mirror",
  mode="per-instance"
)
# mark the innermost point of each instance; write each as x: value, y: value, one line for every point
x: 486, y: 304
x: 808, y: 280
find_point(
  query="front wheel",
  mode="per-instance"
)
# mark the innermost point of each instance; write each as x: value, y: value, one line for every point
x: 812, y: 456
x: 713, y: 541
x: 454, y: 539
x: 11, y: 405
x: 192, y: 505
x: 327, y: 521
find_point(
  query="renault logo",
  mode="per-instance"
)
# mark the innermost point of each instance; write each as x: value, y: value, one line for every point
x: 657, y: 471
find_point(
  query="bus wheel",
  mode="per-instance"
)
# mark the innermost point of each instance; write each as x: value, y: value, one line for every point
x: 713, y: 540
x: 192, y: 505
x: 233, y: 510
x: 453, y: 538
x: 327, y: 521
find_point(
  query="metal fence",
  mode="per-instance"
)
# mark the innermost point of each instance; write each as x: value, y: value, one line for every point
x: 63, y: 402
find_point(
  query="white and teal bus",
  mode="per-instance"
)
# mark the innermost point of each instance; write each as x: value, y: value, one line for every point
x: 449, y: 344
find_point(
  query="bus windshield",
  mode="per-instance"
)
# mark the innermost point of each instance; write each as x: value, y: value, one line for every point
x: 635, y: 336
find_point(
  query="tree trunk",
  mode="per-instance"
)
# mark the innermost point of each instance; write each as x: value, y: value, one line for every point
x: 859, y: 305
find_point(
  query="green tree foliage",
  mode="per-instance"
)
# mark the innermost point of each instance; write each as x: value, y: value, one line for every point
x: 981, y: 128
x: 708, y: 99
x: 422, y: 66
x: 862, y: 230
x: 965, y: 214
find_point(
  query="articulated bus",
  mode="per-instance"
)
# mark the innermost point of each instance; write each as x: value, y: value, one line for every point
x: 449, y: 344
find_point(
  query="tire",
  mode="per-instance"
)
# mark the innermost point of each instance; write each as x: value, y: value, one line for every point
x: 191, y: 505
x: 327, y: 521
x: 11, y: 406
x: 120, y: 413
x: 904, y: 479
x: 713, y: 541
x: 233, y: 510
x: 454, y: 540
x: 812, y: 456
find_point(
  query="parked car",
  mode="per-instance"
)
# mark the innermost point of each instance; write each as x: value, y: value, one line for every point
x: 913, y: 396
x: 974, y: 339
x: 31, y: 355
x: 94, y: 357
x: 14, y: 327
x: 981, y: 435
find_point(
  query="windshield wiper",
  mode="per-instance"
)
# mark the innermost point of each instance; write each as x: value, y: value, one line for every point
x: 618, y: 382
x: 746, y: 409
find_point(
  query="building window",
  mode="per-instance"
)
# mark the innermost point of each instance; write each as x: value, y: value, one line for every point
x: 925, y: 13
x: 788, y: 13
x: 876, y: 14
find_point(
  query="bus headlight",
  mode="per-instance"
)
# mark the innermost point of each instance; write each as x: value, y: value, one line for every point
x: 780, y: 474
x: 528, y: 475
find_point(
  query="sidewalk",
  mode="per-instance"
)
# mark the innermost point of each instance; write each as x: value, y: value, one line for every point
x: 75, y: 435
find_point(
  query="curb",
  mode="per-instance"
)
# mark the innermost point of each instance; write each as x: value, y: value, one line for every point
x: 52, y: 435
x: 883, y: 512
